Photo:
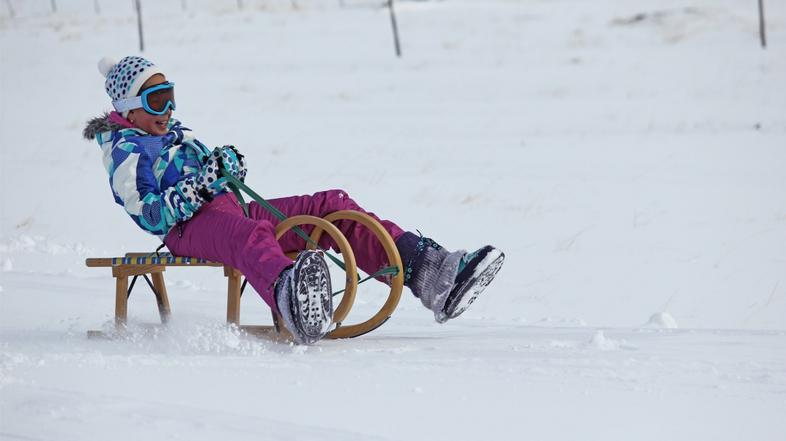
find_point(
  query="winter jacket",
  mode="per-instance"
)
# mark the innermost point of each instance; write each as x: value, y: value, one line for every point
x: 143, y: 170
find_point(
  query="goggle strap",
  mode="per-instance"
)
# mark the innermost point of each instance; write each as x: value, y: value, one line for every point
x: 127, y: 104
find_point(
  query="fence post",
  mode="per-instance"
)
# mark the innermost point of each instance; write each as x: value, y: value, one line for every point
x: 762, y: 25
x: 54, y: 7
x: 139, y: 24
x: 395, y: 28
x: 10, y: 8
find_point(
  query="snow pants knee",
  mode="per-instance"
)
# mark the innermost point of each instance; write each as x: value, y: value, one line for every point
x: 219, y: 231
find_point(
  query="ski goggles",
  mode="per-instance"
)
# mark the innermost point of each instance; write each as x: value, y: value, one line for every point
x: 156, y: 100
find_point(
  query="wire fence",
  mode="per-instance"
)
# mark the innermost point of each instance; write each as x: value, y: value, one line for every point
x: 40, y: 7
x: 33, y: 9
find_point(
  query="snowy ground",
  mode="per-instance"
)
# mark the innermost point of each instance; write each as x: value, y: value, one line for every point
x: 631, y: 166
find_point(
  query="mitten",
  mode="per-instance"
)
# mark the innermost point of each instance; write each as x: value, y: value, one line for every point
x: 206, y: 183
x: 234, y: 162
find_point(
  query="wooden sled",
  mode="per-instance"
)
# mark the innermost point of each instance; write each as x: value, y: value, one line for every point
x: 151, y: 268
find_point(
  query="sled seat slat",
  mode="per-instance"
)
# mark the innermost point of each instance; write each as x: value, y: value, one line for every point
x: 154, y: 265
x: 162, y: 259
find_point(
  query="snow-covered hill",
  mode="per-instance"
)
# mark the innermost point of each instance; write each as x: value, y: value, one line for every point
x: 628, y: 156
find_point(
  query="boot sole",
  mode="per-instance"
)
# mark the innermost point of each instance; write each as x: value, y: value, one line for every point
x: 312, y: 304
x: 483, y: 273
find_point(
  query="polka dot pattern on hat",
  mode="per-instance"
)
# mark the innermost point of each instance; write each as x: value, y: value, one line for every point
x: 122, y: 75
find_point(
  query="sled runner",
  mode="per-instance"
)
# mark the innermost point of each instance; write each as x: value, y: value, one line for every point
x: 151, y: 267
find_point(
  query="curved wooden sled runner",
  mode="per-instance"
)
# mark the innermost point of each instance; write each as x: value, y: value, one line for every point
x: 146, y: 264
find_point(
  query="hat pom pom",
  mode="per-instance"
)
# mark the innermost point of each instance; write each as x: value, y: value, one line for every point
x: 105, y: 65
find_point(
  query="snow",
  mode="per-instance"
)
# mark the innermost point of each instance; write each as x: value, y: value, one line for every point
x: 662, y: 320
x: 628, y: 157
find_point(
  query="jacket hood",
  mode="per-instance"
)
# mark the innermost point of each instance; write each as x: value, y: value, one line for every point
x: 98, y: 125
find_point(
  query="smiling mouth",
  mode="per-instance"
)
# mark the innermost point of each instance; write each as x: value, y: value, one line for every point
x: 162, y: 123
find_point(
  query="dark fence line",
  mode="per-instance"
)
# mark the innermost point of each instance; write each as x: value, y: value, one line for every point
x: 394, y: 25
x: 97, y: 5
x: 137, y: 5
x: 762, y: 26
x: 139, y: 25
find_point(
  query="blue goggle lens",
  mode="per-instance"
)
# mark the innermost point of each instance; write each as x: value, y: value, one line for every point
x: 158, y: 99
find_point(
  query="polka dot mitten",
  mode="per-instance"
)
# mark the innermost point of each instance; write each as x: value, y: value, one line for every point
x: 201, y: 187
x: 234, y: 162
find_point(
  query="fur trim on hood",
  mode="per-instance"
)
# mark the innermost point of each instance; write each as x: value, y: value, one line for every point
x: 98, y: 125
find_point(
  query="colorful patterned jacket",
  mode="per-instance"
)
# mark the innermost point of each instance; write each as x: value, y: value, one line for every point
x: 143, y: 169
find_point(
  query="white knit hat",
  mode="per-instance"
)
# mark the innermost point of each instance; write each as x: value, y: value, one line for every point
x: 126, y: 77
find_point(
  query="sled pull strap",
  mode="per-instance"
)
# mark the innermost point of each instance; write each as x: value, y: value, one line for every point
x: 390, y: 270
x: 240, y: 198
x: 236, y: 185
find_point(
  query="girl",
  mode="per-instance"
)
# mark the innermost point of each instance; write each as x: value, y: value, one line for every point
x: 171, y: 185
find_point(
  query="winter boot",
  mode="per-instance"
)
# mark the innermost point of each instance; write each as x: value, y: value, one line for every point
x: 304, y: 298
x: 476, y: 271
x: 446, y: 282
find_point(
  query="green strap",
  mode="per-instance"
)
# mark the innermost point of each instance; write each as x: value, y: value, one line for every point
x: 236, y: 185
x: 240, y: 199
x: 390, y: 270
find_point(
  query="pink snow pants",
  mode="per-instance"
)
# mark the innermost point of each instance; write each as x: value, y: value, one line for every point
x: 219, y: 231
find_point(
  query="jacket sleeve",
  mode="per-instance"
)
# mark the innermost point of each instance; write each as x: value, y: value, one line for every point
x: 154, y: 209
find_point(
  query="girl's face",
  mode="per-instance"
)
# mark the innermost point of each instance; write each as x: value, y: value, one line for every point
x: 152, y: 124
